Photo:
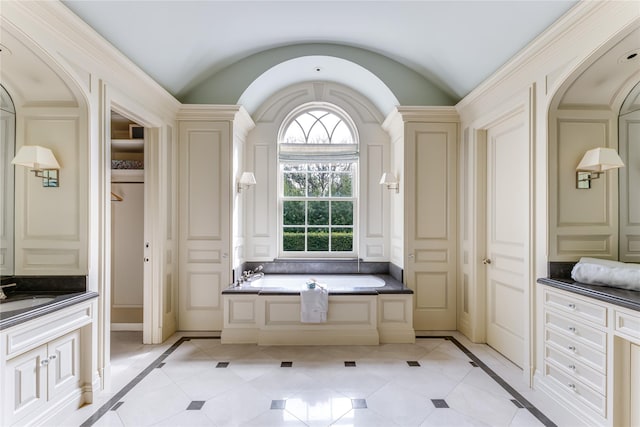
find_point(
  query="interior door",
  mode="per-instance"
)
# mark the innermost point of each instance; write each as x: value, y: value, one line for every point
x: 507, y: 236
x: 205, y: 235
x: 430, y: 219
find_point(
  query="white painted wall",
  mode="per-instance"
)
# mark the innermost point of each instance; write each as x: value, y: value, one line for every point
x: 127, y: 248
x: 51, y: 223
x: 581, y: 222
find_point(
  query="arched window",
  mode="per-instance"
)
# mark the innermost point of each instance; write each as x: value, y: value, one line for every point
x: 318, y: 157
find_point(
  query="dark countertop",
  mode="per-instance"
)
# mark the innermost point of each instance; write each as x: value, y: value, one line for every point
x: 620, y: 297
x: 60, y: 301
x: 392, y: 286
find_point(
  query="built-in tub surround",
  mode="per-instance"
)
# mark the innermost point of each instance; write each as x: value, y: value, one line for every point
x: 363, y: 310
x: 333, y: 283
x: 322, y: 266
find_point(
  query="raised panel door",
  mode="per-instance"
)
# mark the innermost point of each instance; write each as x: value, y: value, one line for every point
x: 205, y: 223
x: 64, y: 364
x: 507, y: 236
x: 430, y: 221
x: 26, y: 383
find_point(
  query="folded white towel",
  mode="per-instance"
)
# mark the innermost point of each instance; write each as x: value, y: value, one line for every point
x: 602, y: 272
x: 314, y: 305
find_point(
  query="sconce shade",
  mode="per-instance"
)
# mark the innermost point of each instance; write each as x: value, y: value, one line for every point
x: 247, y: 178
x: 388, y: 179
x: 36, y: 158
x: 600, y: 159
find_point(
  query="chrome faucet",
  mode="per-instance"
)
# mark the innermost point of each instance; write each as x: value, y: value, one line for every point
x: 250, y: 275
x: 2, y: 294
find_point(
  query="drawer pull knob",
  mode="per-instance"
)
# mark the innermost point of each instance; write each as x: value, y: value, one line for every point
x: 572, y: 386
x: 44, y: 362
x: 572, y: 306
x: 572, y: 329
x: 572, y: 348
x: 52, y: 357
x: 572, y: 367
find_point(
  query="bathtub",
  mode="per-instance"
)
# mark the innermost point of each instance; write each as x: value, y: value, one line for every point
x: 363, y: 310
x: 332, y: 282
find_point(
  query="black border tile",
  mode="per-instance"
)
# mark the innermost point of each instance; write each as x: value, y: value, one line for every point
x: 117, y: 405
x: 513, y: 392
x: 127, y: 388
x: 518, y: 404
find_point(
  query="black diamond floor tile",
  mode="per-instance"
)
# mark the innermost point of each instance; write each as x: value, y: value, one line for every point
x: 195, y: 405
x: 359, y: 403
x: 278, y: 404
x: 439, y: 403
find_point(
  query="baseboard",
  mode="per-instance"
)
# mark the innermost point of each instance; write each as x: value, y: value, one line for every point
x: 126, y: 326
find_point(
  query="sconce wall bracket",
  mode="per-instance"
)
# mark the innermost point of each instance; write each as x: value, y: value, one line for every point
x: 49, y: 177
x: 583, y: 179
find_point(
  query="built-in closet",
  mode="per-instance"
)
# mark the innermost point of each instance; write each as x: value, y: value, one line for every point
x: 127, y: 223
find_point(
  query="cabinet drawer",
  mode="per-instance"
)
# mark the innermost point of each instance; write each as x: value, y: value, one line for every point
x: 582, y: 309
x: 582, y: 352
x: 575, y: 369
x: 577, y: 390
x: 577, y: 331
x: 628, y: 324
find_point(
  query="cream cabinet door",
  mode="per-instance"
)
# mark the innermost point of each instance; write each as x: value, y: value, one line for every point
x: 430, y: 223
x: 205, y: 223
x: 507, y: 236
x: 63, y: 369
x: 26, y: 383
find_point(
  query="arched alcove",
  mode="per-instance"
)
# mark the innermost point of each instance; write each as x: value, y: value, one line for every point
x: 228, y: 85
x: 261, y: 156
x: 584, y: 114
x: 51, y: 224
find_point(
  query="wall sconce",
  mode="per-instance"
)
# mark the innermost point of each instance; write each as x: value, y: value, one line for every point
x: 41, y: 161
x: 594, y: 163
x: 389, y: 179
x: 247, y: 179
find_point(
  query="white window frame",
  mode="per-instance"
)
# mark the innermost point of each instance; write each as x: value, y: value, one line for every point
x: 355, y: 184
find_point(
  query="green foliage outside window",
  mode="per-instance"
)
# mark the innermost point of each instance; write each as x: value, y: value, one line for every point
x: 318, y: 196
x: 341, y: 241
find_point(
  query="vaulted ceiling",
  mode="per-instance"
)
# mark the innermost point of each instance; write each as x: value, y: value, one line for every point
x: 198, y: 49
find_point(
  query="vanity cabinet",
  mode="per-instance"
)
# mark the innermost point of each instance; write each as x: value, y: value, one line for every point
x: 589, y: 357
x: 42, y: 374
x: 46, y: 365
x: 575, y: 349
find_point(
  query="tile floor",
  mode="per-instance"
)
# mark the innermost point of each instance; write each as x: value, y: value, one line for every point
x: 196, y: 381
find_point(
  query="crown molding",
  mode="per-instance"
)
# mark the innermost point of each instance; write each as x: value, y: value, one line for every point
x: 212, y: 112
x: 426, y: 114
